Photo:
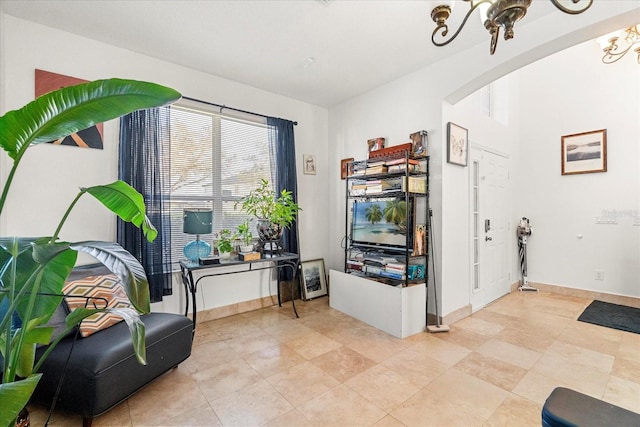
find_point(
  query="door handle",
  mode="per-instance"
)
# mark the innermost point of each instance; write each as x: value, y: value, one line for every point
x: 487, y: 238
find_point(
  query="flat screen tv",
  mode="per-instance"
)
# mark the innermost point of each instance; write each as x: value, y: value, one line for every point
x: 382, y: 223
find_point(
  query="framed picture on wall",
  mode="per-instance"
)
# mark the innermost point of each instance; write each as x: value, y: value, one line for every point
x: 345, y: 166
x: 314, y: 281
x: 584, y: 152
x: 309, y: 164
x: 457, y: 144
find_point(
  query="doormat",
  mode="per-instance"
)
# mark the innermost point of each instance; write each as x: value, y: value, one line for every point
x: 613, y: 316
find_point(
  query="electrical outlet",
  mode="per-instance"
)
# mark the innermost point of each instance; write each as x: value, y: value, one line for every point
x: 599, y: 274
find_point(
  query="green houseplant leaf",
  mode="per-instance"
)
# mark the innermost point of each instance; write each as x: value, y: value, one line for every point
x: 31, y: 269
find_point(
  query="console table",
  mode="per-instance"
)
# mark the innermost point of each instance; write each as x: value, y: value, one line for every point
x: 268, y: 262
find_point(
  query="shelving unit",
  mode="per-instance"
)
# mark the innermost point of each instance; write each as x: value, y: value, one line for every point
x: 386, y: 251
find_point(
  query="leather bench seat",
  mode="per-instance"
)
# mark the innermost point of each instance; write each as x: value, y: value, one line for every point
x: 568, y: 408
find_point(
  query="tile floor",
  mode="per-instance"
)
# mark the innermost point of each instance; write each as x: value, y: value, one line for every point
x: 494, y: 368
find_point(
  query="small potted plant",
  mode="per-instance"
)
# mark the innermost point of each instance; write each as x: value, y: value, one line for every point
x: 224, y: 242
x: 274, y: 212
x: 245, y: 235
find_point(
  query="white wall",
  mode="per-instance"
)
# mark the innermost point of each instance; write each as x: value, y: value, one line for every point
x: 415, y: 102
x: 49, y: 176
x: 567, y: 93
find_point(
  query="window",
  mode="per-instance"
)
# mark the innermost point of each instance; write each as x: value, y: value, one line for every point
x: 216, y: 159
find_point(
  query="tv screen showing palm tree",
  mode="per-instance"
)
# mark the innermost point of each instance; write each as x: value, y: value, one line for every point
x: 381, y: 223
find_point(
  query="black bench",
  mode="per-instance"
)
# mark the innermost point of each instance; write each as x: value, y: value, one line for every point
x: 568, y: 408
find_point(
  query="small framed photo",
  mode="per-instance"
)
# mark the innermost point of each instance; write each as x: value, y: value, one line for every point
x: 457, y: 144
x: 584, y: 152
x: 419, y: 143
x: 314, y: 281
x: 309, y: 164
x: 345, y: 167
x: 375, y: 144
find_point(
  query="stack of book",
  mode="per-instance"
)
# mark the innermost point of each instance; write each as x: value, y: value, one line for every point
x: 400, y: 165
x: 359, y: 168
x: 394, y: 270
x: 358, y: 188
x: 374, y: 168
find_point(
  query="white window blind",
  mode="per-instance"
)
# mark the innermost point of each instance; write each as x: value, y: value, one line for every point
x: 216, y: 159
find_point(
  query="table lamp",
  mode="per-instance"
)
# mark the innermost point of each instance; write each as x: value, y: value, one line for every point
x: 197, y: 221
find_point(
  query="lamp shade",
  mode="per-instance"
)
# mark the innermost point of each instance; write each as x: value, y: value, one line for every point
x: 197, y: 221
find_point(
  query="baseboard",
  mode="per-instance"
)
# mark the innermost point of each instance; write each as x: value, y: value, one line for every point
x: 233, y: 309
x: 452, y: 317
x: 586, y: 294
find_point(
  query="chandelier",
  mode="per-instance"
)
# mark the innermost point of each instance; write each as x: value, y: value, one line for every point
x: 496, y: 14
x: 613, y: 52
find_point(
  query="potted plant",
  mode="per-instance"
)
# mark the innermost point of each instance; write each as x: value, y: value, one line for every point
x: 274, y: 212
x: 31, y: 267
x: 245, y: 235
x: 224, y: 242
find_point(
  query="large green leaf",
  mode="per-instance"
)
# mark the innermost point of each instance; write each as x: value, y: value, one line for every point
x: 71, y: 109
x: 125, y: 266
x: 14, y: 396
x: 126, y: 202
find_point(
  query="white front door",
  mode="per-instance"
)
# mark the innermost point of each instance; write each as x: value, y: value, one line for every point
x: 489, y: 216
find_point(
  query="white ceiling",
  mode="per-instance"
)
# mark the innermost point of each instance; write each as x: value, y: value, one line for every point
x: 320, y: 52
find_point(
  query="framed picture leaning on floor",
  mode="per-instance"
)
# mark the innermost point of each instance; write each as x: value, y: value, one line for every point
x: 314, y: 281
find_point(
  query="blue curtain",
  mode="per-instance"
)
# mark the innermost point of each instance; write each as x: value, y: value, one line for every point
x: 282, y: 143
x: 144, y: 163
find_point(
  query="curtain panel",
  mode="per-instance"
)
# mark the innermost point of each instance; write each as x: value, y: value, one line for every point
x: 282, y: 143
x: 144, y: 163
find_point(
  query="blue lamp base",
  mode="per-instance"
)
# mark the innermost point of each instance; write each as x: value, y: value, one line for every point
x: 197, y: 249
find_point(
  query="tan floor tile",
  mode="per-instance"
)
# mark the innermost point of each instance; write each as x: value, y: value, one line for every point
x: 201, y: 416
x: 479, y: 326
x: 441, y: 350
x: 209, y: 354
x: 415, y: 366
x: 291, y: 419
x: 629, y: 347
x: 583, y: 378
x: 532, y: 340
x: 505, y: 320
x: 235, y: 326
x: 623, y: 393
x: 516, y: 411
x: 388, y: 421
x: 455, y: 399
x: 499, y: 373
x: 593, y: 337
x: 378, y: 347
x: 383, y: 387
x: 170, y: 394
x: 537, y: 387
x: 507, y: 352
x: 341, y: 407
x: 464, y: 337
x: 627, y: 369
x: 254, y: 405
x: 225, y: 378
x: 302, y: 383
x: 273, y: 360
x: 343, y: 363
x: 288, y: 330
x: 313, y: 345
x: 251, y: 342
x: 581, y: 355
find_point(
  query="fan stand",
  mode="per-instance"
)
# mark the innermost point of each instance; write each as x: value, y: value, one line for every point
x: 437, y: 327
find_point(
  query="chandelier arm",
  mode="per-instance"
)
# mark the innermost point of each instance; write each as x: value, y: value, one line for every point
x: 613, y: 54
x: 565, y: 9
x: 445, y: 27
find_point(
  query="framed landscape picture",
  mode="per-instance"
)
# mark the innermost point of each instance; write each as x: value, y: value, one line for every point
x: 584, y: 152
x: 457, y: 144
x: 314, y: 281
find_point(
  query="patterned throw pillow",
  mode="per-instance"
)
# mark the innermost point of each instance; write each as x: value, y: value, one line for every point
x: 97, y: 292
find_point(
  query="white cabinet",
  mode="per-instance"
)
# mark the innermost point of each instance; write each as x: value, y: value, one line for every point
x: 397, y: 310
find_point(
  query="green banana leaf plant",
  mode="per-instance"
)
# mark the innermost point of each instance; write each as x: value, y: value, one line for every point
x: 35, y: 268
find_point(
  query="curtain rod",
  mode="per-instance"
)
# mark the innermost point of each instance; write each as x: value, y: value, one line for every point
x: 231, y: 108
